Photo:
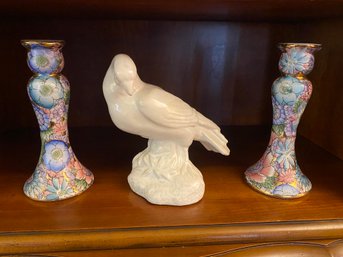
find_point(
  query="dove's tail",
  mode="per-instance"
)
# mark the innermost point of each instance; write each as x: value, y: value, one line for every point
x: 213, y: 140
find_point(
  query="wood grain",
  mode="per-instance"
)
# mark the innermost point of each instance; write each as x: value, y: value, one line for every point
x: 84, y: 240
x: 230, y: 211
x: 177, y: 9
x: 203, y: 63
x: 223, y: 69
x: 292, y: 249
x: 183, y: 251
x: 323, y: 119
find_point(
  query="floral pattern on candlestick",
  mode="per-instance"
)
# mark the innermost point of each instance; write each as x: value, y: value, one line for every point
x: 296, y: 60
x: 58, y: 174
x: 277, y: 173
x: 45, y: 60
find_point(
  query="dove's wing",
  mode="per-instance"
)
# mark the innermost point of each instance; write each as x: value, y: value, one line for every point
x: 166, y: 109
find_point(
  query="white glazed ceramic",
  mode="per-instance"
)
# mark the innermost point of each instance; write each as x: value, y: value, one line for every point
x: 162, y: 173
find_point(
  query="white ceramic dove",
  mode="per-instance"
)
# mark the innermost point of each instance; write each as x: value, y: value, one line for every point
x: 162, y: 173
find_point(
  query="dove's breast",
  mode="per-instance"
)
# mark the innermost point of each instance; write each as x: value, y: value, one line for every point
x: 123, y: 112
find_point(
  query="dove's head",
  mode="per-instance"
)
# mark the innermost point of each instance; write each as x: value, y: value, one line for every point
x: 125, y: 73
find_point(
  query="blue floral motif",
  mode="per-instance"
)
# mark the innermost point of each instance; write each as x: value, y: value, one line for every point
x: 286, y: 190
x: 279, y: 116
x: 287, y: 90
x: 42, y: 117
x: 58, y: 190
x: 291, y: 129
x: 45, y: 91
x: 296, y: 60
x: 292, y: 121
x: 44, y: 60
x: 303, y: 181
x: 284, y: 153
x: 56, y: 156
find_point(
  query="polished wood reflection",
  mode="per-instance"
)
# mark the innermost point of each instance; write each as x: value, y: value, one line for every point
x: 230, y: 211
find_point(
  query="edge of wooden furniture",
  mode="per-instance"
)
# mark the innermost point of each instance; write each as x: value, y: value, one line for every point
x: 128, y: 238
x: 292, y: 249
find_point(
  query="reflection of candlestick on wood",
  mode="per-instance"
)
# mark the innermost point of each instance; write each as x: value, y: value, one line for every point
x: 160, y: 172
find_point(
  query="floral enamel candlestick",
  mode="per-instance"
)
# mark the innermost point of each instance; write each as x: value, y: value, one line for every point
x: 58, y: 175
x: 277, y: 173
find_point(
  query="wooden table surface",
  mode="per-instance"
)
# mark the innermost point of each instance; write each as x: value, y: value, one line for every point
x: 230, y: 212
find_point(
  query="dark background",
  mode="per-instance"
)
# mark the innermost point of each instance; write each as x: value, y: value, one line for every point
x: 221, y: 61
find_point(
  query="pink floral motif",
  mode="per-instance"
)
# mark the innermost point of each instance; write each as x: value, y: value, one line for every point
x: 287, y: 176
x: 81, y: 172
x: 267, y: 161
x: 255, y: 176
x: 84, y: 174
x: 308, y: 91
x: 262, y: 169
x: 60, y: 128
